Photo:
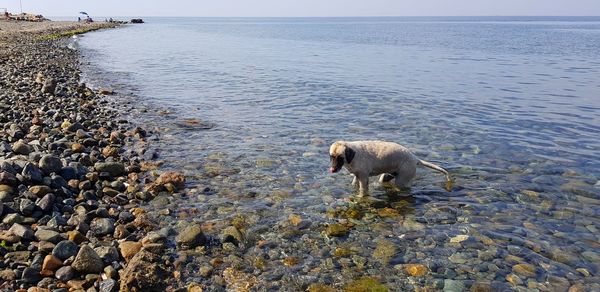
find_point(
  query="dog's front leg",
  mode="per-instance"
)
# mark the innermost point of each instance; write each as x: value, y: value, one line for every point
x: 363, y: 185
x: 354, y: 180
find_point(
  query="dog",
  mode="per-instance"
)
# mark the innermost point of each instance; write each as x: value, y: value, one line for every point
x: 370, y: 158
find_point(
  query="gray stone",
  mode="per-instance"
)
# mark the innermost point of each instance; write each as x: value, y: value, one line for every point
x: 49, y: 86
x: 65, y: 273
x: 46, y: 202
x: 12, y: 218
x: 48, y: 235
x: 32, y: 173
x: 108, y: 254
x: 65, y: 249
x: 21, y: 231
x: 102, y: 226
x: 109, y: 285
x: 26, y: 207
x: 191, y: 236
x: 453, y: 286
x: 50, y: 163
x: 21, y: 148
x: 113, y: 168
x: 87, y: 261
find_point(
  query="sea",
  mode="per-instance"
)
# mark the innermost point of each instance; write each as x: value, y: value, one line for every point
x: 247, y: 109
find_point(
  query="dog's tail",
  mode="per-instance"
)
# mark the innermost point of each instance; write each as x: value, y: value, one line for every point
x: 435, y: 167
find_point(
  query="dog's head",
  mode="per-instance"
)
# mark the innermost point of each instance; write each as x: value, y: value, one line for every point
x: 340, y: 153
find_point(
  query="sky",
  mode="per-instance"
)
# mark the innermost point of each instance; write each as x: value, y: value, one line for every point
x: 298, y: 8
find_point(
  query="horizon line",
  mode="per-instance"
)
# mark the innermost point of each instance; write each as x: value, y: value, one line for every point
x: 337, y: 16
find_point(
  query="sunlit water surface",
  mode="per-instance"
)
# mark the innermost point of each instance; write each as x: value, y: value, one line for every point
x: 510, y: 106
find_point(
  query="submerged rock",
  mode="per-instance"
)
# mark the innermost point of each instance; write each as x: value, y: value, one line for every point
x: 191, y: 236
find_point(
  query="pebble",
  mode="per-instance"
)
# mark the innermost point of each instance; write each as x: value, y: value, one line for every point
x: 191, y: 236
x: 87, y: 261
x: 50, y: 163
x: 102, y: 226
x: 65, y: 273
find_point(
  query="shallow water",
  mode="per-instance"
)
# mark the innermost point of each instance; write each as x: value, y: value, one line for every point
x: 510, y: 106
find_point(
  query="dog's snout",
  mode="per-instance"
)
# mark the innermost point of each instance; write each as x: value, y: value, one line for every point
x: 336, y: 163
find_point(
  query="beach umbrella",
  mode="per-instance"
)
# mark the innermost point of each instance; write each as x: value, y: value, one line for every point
x: 84, y: 13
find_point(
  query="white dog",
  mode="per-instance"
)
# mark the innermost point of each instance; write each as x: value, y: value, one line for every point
x: 369, y: 158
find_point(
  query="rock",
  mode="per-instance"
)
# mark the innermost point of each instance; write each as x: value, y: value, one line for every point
x: 121, y: 232
x: 144, y: 270
x: 415, y: 270
x: 481, y: 286
x: 231, y: 234
x: 50, y: 163
x: 49, y: 85
x: 129, y: 249
x: 51, y: 263
x: 191, y: 236
x: 46, y: 202
x: 21, y: 231
x: 102, y: 226
x: 9, y: 237
x: 108, y: 254
x: 26, y: 207
x: 48, y: 235
x: 238, y: 280
x: 459, y: 238
x: 170, y: 177
x: 365, y: 284
x: 384, y: 251
x: 453, y: 286
x: 12, y: 218
x: 31, y: 275
x: 76, y: 237
x: 21, y: 148
x: 113, y: 168
x: 513, y: 279
x: 458, y: 258
x: 40, y: 190
x: 7, y: 178
x: 87, y: 261
x: 65, y: 273
x: 109, y: 285
x: 32, y: 173
x: 526, y: 270
x: 336, y: 230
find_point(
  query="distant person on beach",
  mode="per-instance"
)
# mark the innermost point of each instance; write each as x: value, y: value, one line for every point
x: 6, y: 15
x: 78, y: 19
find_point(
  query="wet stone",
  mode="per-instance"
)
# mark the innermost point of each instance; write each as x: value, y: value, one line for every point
x: 336, y: 230
x: 191, y: 236
x: 31, y: 275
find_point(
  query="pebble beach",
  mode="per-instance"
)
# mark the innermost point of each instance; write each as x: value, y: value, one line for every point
x: 71, y: 174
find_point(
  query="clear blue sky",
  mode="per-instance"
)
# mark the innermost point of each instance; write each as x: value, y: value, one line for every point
x: 306, y: 7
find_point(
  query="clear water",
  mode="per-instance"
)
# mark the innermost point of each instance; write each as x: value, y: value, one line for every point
x: 511, y: 106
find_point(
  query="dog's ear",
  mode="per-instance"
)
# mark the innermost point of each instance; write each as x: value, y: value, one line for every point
x: 349, y: 154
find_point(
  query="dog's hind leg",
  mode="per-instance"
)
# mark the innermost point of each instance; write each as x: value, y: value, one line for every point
x: 354, y: 180
x: 386, y: 177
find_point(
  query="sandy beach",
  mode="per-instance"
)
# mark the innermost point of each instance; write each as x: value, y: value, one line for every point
x: 71, y: 174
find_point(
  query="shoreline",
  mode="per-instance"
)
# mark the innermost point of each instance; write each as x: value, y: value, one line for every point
x: 72, y: 179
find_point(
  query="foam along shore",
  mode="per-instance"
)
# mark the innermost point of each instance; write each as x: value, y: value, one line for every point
x: 71, y: 174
